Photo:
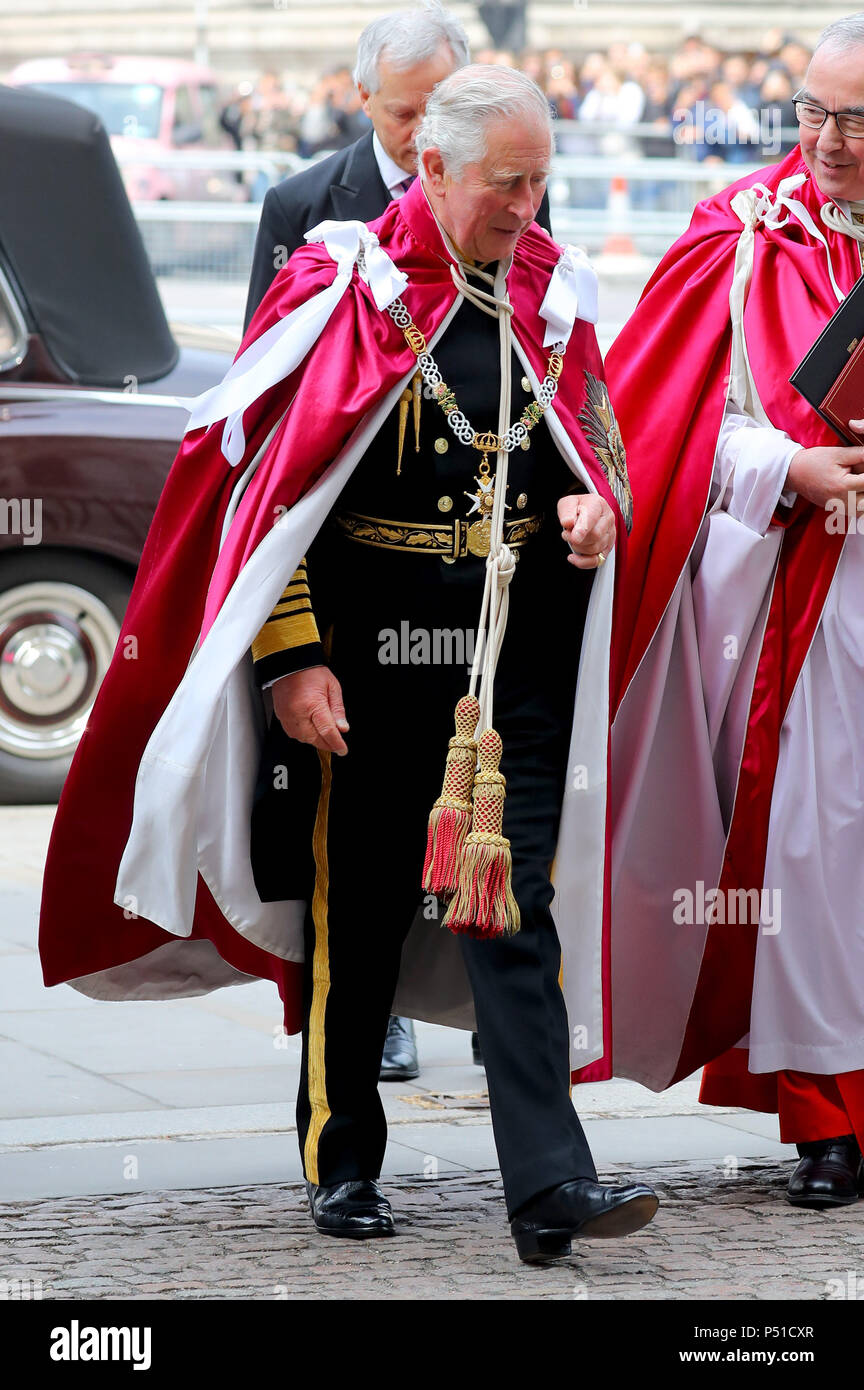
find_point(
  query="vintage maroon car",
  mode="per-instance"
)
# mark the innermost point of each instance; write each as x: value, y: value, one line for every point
x: 89, y: 426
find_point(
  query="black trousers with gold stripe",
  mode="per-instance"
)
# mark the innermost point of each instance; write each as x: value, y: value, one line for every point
x: 368, y: 840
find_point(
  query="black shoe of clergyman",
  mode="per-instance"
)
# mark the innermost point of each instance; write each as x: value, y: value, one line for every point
x: 475, y: 1050
x: 543, y: 1227
x: 829, y: 1174
x: 399, y: 1062
x: 355, y: 1209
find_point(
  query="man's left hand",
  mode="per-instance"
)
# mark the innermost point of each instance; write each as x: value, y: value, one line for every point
x: 589, y: 528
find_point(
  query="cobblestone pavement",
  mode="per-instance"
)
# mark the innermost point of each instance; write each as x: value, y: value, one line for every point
x: 198, y: 1093
x: 714, y: 1237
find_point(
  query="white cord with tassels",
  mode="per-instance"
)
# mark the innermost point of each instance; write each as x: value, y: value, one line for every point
x: 500, y: 562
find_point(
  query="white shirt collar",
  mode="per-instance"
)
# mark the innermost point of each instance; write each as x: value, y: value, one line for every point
x: 390, y: 172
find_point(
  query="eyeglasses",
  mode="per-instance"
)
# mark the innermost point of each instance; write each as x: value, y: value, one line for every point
x: 849, y: 123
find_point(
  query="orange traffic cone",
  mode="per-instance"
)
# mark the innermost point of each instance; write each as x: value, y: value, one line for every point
x: 619, y: 242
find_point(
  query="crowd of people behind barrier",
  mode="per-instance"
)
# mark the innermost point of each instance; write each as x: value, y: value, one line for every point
x: 697, y: 102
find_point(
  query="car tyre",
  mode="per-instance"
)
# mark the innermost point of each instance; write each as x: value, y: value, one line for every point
x: 60, y: 617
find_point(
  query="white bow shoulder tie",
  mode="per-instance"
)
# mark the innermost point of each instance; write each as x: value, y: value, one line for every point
x: 572, y: 294
x: 279, y: 351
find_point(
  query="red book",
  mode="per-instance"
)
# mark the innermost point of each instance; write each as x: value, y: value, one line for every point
x: 831, y: 376
x: 845, y: 400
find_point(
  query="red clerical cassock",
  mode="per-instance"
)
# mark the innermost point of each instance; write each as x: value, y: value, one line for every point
x: 738, y: 751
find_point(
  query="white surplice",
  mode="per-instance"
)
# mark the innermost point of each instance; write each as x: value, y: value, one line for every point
x: 807, y: 1012
x: 678, y: 740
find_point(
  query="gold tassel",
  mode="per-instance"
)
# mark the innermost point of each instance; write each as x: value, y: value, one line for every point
x: 450, y: 817
x: 417, y: 388
x: 404, y: 402
x: 483, y: 904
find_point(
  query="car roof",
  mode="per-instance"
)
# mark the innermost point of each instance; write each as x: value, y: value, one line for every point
x: 71, y: 246
x: 166, y: 72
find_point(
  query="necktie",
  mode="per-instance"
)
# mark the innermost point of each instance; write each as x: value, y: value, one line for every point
x: 406, y: 184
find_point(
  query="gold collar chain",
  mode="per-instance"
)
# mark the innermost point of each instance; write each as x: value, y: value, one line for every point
x: 487, y: 442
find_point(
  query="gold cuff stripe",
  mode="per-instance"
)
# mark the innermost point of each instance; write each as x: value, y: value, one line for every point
x: 298, y: 578
x: 284, y: 633
x: 295, y: 591
x: 301, y: 603
x: 317, y: 1075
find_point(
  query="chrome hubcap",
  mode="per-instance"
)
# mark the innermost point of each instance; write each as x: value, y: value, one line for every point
x: 56, y: 641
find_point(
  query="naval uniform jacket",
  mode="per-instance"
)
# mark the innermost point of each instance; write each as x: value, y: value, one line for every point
x: 429, y: 485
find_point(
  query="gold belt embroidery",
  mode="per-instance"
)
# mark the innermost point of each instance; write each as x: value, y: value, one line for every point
x: 452, y: 539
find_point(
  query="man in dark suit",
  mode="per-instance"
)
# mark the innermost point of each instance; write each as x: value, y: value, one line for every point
x: 400, y: 58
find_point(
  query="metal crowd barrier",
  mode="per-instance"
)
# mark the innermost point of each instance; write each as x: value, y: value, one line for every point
x: 573, y: 133
x: 607, y: 203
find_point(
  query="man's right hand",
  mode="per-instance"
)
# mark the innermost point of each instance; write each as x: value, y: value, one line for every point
x: 828, y: 475
x: 308, y: 705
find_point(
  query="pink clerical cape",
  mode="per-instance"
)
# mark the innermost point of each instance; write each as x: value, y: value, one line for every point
x: 681, y: 999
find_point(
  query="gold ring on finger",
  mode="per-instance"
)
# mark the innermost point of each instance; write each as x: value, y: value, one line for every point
x: 600, y: 558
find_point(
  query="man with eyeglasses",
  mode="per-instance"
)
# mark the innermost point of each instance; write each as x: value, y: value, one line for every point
x: 742, y: 688
x: 810, y: 114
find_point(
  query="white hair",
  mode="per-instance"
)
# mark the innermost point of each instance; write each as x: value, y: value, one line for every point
x: 461, y: 106
x: 844, y: 33
x: 407, y: 38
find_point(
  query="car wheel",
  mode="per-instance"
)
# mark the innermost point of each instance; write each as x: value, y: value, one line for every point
x: 60, y: 617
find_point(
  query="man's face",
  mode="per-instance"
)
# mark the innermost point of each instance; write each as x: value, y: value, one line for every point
x: 486, y: 211
x: 835, y: 81
x: 396, y: 109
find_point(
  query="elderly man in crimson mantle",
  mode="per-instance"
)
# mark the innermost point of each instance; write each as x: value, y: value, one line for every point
x: 400, y: 58
x: 420, y: 406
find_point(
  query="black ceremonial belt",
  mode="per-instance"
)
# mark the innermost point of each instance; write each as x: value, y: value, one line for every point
x: 451, y: 540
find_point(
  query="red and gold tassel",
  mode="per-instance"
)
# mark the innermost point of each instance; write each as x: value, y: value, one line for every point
x: 483, y: 904
x: 450, y: 817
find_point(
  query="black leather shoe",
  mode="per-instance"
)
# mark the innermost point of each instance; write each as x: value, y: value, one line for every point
x: 355, y: 1209
x: 543, y: 1227
x: 399, y: 1061
x: 829, y: 1174
x: 475, y: 1050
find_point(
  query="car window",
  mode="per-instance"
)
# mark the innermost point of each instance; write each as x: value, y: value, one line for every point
x: 13, y: 335
x: 213, y: 132
x: 183, y: 112
x: 7, y: 332
x: 132, y: 109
